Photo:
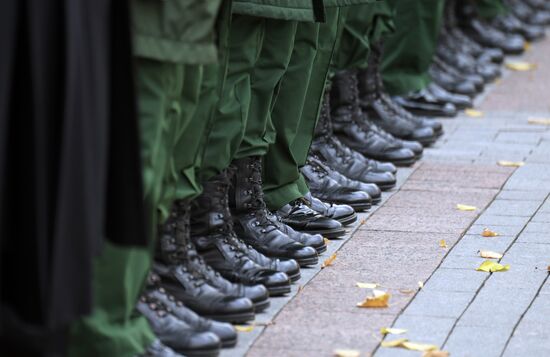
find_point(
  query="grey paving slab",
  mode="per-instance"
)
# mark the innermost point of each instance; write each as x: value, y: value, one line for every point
x: 520, y: 277
x: 439, y: 304
x: 470, y: 245
x: 515, y: 208
x: 490, y: 220
x: 543, y: 217
x: 542, y: 238
x: 475, y: 341
x: 454, y: 280
x: 523, y: 195
x: 531, y: 253
x: 477, y: 229
x: 538, y: 227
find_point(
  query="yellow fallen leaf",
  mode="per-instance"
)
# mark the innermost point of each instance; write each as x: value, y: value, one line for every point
x: 520, y: 66
x: 435, y: 354
x: 539, y: 121
x: 462, y: 207
x: 244, y: 328
x: 329, y: 261
x: 406, y: 291
x: 327, y: 241
x: 489, y: 233
x: 510, y: 163
x: 489, y: 254
x: 404, y: 343
x: 473, y: 113
x: 367, y: 285
x: 419, y: 346
x: 347, y: 353
x: 420, y: 284
x: 443, y: 244
x: 363, y: 221
x: 394, y: 343
x: 379, y: 299
x: 489, y: 266
x: 527, y: 46
x: 392, y: 331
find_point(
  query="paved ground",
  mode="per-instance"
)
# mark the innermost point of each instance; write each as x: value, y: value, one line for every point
x: 459, y: 309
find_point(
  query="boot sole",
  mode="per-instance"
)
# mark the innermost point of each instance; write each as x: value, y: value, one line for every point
x: 261, y: 305
x: 404, y: 162
x: 330, y: 234
x: 278, y: 290
x: 229, y: 343
x: 295, y: 277
x: 384, y: 187
x: 320, y: 249
x: 233, y: 318
x: 356, y: 206
x: 376, y: 201
x: 213, y: 352
x: 346, y: 221
x: 307, y: 261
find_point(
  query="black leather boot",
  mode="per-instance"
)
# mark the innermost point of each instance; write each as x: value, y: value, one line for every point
x: 327, y: 189
x: 345, y: 214
x: 251, y: 216
x: 528, y: 14
x: 298, y: 215
x: 176, y: 333
x: 315, y: 241
x: 323, y: 170
x: 354, y: 128
x: 343, y: 159
x: 158, y: 349
x: 188, y: 284
x: 225, y: 331
x: 509, y: 23
x: 214, y: 238
x: 391, y: 117
x: 474, y: 79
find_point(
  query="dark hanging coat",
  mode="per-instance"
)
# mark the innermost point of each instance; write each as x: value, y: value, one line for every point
x: 69, y: 161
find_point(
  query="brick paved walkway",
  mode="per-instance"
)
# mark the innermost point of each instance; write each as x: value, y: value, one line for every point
x: 465, y: 312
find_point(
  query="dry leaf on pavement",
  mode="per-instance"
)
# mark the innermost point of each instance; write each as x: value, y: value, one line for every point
x: 404, y: 343
x: 505, y: 163
x: 329, y: 261
x: 392, y: 331
x: 539, y: 121
x: 462, y: 207
x: 489, y: 266
x: 347, y: 353
x: 420, y: 284
x: 366, y: 285
x: 244, y: 328
x: 379, y: 299
x: 435, y: 354
x: 489, y: 254
x: 443, y: 244
x: 489, y: 233
x: 394, y: 343
x: 473, y: 113
x: 327, y: 241
x: 520, y: 66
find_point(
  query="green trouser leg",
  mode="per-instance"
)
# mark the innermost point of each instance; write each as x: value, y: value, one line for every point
x: 408, y: 53
x: 229, y: 118
x: 259, y: 51
x: 296, y: 109
x: 277, y: 45
x: 113, y: 329
x: 489, y: 9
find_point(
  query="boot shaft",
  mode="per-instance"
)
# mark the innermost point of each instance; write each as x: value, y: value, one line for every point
x: 344, y: 96
x: 245, y: 192
x: 323, y: 127
x: 173, y: 235
x: 369, y: 80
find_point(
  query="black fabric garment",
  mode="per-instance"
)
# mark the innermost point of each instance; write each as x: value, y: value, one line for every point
x: 69, y: 161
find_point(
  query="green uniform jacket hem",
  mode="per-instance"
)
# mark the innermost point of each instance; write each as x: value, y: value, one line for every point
x: 273, y: 11
x: 163, y: 49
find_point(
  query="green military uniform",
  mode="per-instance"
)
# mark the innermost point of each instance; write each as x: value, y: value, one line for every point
x: 489, y: 9
x: 173, y: 40
x: 408, y: 53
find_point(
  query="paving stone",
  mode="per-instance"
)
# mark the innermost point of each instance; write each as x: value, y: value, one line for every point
x: 541, y: 238
x: 518, y: 277
x: 454, y: 261
x: 527, y: 138
x: 527, y: 346
x: 512, y: 208
x: 496, y: 307
x: 439, y: 304
x: 543, y: 217
x: 513, y: 231
x: 526, y: 184
x: 470, y: 245
x: 454, y: 280
x: 472, y: 341
x: 528, y: 253
x: 492, y: 220
x: 522, y: 195
x: 538, y: 227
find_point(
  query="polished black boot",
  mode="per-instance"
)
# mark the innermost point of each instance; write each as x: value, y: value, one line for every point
x: 225, y: 331
x: 188, y: 284
x: 158, y: 349
x: 423, y: 102
x: 474, y: 79
x: 298, y: 215
x: 323, y: 170
x: 509, y: 23
x: 345, y: 214
x: 251, y: 216
x: 528, y: 14
x: 383, y: 110
x: 327, y: 189
x: 214, y: 238
x: 176, y: 333
x: 458, y: 100
x: 344, y: 160
x: 315, y: 241
x: 354, y: 128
